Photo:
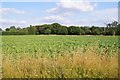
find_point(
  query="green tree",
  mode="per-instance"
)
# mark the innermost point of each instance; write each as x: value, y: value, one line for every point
x: 7, y: 29
x: 62, y: 30
x: 118, y: 29
x: 31, y: 29
x: 73, y: 30
x: 48, y: 31
x: 87, y: 30
x: 0, y: 29
x: 55, y: 28
x: 111, y: 28
x: 82, y: 32
x: 95, y: 30
x: 40, y: 29
x: 12, y: 29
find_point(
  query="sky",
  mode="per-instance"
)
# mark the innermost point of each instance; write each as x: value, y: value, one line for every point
x: 69, y: 12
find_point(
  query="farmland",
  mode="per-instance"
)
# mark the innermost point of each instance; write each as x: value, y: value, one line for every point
x: 52, y: 56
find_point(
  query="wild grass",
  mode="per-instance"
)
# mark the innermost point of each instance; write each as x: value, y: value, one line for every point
x: 74, y: 65
x: 59, y: 56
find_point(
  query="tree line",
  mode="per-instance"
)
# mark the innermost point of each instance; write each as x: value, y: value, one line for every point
x: 58, y: 29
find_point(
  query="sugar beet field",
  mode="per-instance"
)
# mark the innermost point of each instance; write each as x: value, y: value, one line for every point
x: 53, y: 56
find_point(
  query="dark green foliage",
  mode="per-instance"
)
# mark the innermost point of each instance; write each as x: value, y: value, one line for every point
x: 87, y: 30
x: 0, y: 29
x: 47, y: 31
x: 118, y: 30
x: 62, y: 30
x: 31, y: 30
x: 82, y: 32
x: 7, y: 29
x: 41, y: 29
x: 73, y: 30
x: 95, y: 30
x: 13, y: 33
x: 56, y: 28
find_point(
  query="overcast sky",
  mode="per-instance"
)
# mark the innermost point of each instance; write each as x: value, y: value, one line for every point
x: 84, y: 13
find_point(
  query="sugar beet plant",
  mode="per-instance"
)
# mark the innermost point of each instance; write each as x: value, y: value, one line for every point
x: 59, y: 56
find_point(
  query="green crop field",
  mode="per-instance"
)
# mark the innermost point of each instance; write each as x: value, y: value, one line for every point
x: 56, y: 56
